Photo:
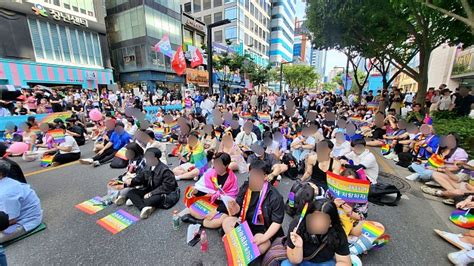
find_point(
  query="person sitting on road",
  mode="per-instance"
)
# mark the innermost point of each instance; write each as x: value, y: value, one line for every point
x: 230, y: 147
x: 319, y: 163
x: 146, y: 139
x: 361, y: 157
x: 136, y: 164
x: 4, y: 224
x: 154, y: 187
x: 454, y: 184
x: 277, y: 168
x: 264, y: 219
x: 76, y: 130
x: 15, y: 170
x: 227, y: 186
x: 66, y: 151
x: 321, y: 229
x: 101, y: 135
x: 20, y: 203
x: 118, y: 139
x: 193, y: 158
x: 341, y: 145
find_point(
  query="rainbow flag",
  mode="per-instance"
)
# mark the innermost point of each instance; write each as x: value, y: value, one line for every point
x: 372, y: 106
x: 246, y: 115
x: 173, y: 125
x: 239, y: 246
x: 159, y: 132
x: 385, y: 149
x: 50, y: 117
x: 462, y: 218
x: 264, y: 118
x: 371, y: 230
x: 57, y: 135
x: 435, y: 161
x: 91, y: 206
x: 203, y: 207
x: 347, y: 189
x: 358, y: 121
x: 381, y: 241
x: 36, y: 130
x: 198, y: 158
x: 121, y: 154
x: 218, y: 134
x: 47, y: 160
x: 117, y: 221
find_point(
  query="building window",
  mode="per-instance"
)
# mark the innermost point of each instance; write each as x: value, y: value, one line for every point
x: 218, y: 36
x: 208, y: 19
x: 206, y: 4
x: 231, y: 33
x: 187, y: 7
x: 247, y: 4
x: 197, y: 5
x: 217, y: 3
x: 56, y: 3
x: 247, y: 22
x: 230, y: 13
x: 218, y: 16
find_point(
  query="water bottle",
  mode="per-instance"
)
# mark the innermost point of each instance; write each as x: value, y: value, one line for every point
x: 176, y: 220
x: 204, y: 242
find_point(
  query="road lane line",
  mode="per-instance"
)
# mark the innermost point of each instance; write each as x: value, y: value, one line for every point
x: 50, y: 169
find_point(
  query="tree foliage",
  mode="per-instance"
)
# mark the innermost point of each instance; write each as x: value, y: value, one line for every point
x: 300, y: 76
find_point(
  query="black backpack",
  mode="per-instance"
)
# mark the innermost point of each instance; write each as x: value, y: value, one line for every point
x: 290, y: 161
x: 384, y: 194
x: 300, y: 193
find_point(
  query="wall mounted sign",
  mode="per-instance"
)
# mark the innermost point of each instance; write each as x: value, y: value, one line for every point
x: 40, y: 10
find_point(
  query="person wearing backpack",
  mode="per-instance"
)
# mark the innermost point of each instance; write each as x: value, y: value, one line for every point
x: 319, y: 239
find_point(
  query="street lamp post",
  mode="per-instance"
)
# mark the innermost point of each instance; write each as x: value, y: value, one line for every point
x: 281, y: 74
x: 209, y: 47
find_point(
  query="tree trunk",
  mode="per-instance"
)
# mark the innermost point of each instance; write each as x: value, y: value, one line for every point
x: 422, y: 79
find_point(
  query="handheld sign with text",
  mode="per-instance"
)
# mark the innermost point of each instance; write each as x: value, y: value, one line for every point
x: 239, y: 246
x: 347, y: 189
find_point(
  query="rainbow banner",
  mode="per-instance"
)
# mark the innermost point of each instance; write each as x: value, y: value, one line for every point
x: 121, y: 154
x: 462, y: 218
x: 246, y: 115
x: 117, y: 221
x: 239, y: 246
x: 91, y: 206
x: 264, y: 118
x: 57, y: 135
x: 347, y: 189
x: 47, y: 160
x: 371, y: 230
x: 358, y: 121
x: 159, y: 132
x: 372, y: 106
x: 203, y: 207
x: 435, y: 161
x: 385, y: 149
x: 50, y: 117
x: 173, y: 125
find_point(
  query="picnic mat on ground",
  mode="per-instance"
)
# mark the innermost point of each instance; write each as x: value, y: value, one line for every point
x: 38, y: 229
x: 117, y: 221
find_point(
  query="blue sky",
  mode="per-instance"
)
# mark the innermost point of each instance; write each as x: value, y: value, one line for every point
x: 334, y: 58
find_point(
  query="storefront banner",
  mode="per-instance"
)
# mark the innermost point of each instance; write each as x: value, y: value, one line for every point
x: 151, y: 111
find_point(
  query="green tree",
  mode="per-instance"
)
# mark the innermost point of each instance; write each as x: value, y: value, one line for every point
x: 330, y: 86
x: 467, y: 10
x: 300, y: 76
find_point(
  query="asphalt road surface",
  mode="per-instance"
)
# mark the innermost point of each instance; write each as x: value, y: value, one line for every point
x: 73, y: 237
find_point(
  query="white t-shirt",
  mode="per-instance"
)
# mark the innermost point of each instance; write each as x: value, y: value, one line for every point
x: 69, y: 142
x: 246, y: 140
x: 341, y: 150
x: 367, y: 159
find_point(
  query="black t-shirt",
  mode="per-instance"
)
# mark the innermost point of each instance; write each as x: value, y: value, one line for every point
x: 269, y: 159
x: 369, y: 98
x: 273, y: 209
x: 21, y: 111
x: 57, y: 107
x: 81, y: 140
x: 312, y: 243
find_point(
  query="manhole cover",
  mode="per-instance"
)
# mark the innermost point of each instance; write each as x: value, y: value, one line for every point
x: 401, y: 184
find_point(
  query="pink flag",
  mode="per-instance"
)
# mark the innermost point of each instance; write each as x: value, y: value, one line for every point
x: 164, y: 47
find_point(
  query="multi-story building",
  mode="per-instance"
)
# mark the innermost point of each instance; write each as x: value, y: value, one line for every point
x: 282, y: 31
x: 133, y: 28
x: 334, y: 72
x: 302, y: 43
x: 249, y: 29
x: 318, y: 61
x: 56, y: 43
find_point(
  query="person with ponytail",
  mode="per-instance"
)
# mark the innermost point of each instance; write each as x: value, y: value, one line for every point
x: 218, y: 182
x: 319, y: 239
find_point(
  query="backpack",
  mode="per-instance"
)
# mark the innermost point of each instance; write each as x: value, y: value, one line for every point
x: 290, y: 161
x: 384, y: 194
x: 300, y: 193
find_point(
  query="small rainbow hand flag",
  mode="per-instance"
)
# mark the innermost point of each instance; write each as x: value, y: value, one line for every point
x: 57, y: 135
x: 173, y: 125
x: 435, y: 161
x: 385, y: 149
x: 246, y: 115
x: 121, y: 154
x: 203, y: 208
x: 239, y: 246
x: 159, y: 132
x: 302, y: 215
x: 371, y: 230
x: 117, y: 221
x: 47, y: 160
x: 91, y: 206
x: 264, y: 118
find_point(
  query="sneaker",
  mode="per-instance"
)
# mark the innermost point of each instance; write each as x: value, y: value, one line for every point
x: 129, y: 203
x: 120, y: 200
x: 461, y: 257
x: 449, y: 202
x: 413, y: 177
x: 54, y: 164
x: 96, y: 163
x: 86, y: 161
x: 430, y: 191
x: 390, y: 156
x: 454, y: 239
x: 146, y: 212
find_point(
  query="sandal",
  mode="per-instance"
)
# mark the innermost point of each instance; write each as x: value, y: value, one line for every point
x: 430, y: 191
x: 449, y: 202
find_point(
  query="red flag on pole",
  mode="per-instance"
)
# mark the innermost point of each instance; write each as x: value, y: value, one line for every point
x: 196, y: 57
x: 179, y: 62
